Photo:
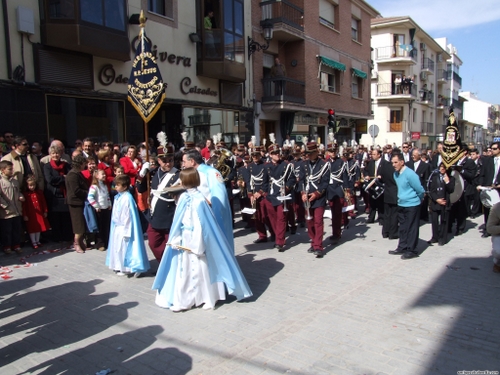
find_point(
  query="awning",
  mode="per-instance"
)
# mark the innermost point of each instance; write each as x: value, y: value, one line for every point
x: 359, y: 73
x: 332, y: 63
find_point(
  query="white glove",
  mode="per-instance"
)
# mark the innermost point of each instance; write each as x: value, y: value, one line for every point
x: 144, y: 169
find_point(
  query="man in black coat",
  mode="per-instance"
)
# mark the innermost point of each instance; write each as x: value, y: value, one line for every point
x: 436, y: 158
x: 423, y: 170
x: 475, y: 208
x: 373, y: 170
x: 390, y: 227
x: 441, y: 185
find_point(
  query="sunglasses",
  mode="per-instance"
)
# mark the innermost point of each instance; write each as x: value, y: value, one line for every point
x: 496, y: 148
x: 24, y: 144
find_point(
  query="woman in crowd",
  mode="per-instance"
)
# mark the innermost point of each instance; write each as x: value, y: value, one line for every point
x: 131, y: 165
x: 106, y: 165
x: 55, y: 194
x: 77, y: 192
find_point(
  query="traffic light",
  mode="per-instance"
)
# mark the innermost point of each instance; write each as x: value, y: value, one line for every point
x: 332, y: 122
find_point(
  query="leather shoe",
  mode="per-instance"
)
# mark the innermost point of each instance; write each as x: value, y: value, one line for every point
x: 293, y: 230
x: 310, y: 250
x: 409, y: 255
x: 280, y: 248
x: 318, y: 253
x: 485, y: 235
x: 441, y: 243
x: 334, y: 239
x: 496, y: 268
x: 394, y: 237
x: 459, y: 233
x: 431, y: 241
x: 384, y: 235
x: 396, y: 252
x: 370, y: 221
x: 260, y: 240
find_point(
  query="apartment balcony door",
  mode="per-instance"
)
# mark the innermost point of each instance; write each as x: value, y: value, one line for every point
x: 396, y: 124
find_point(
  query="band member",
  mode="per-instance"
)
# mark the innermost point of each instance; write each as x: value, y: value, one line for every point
x: 257, y: 187
x: 335, y: 191
x: 281, y: 183
x: 299, y: 171
x: 353, y: 173
x: 242, y: 173
x: 441, y: 185
x: 314, y: 185
x: 162, y: 205
x: 373, y: 171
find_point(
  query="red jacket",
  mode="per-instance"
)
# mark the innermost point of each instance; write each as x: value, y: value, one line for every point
x: 129, y: 169
x: 110, y: 175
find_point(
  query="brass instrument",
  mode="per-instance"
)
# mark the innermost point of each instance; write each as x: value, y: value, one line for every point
x: 307, y: 204
x: 221, y: 165
x: 283, y: 194
x: 254, y: 207
x: 348, y: 198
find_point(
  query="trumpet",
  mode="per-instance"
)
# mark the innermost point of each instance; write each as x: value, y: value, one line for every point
x: 307, y: 204
x: 283, y: 193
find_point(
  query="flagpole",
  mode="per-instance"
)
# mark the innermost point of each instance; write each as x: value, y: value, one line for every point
x: 142, y: 20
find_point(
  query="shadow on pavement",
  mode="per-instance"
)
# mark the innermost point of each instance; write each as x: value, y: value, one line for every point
x: 61, y: 315
x: 119, y: 353
x: 258, y: 273
x: 471, y: 340
x: 15, y: 285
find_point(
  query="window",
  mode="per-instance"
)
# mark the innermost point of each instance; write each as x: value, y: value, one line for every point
x: 234, y: 46
x: 395, y: 121
x: 399, y: 41
x: 162, y: 7
x: 107, y: 13
x: 357, y: 87
x: 61, y: 9
x: 355, y: 30
x: 330, y: 79
x: 328, y: 14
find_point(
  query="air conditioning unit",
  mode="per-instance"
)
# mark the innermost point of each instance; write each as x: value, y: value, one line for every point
x: 423, y: 47
x: 423, y: 76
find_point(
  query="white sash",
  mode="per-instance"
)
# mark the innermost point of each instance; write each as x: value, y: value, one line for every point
x: 163, y: 183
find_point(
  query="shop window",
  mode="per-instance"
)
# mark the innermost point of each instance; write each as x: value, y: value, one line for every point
x: 201, y: 123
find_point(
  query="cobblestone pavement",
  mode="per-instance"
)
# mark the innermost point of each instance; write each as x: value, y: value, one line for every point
x: 356, y: 311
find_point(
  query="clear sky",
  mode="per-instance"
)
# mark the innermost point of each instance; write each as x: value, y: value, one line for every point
x: 473, y: 27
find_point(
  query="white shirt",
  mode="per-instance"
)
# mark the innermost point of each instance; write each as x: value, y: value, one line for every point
x: 415, y: 165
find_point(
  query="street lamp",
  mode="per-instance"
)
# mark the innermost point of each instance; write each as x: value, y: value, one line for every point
x: 267, y: 28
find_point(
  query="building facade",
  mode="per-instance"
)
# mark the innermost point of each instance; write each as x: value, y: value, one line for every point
x: 66, y: 66
x: 407, y: 81
x: 324, y: 49
x: 482, y: 118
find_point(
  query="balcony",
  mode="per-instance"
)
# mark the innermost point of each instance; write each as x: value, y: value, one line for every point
x: 426, y: 96
x: 283, y: 90
x: 427, y: 65
x: 389, y: 91
x: 286, y: 17
x: 87, y: 26
x: 457, y: 78
x: 440, y: 129
x: 442, y: 76
x: 427, y: 128
x: 395, y: 55
x: 442, y: 102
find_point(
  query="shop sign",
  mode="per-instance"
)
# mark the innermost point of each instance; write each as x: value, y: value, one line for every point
x: 415, y: 135
x: 186, y: 89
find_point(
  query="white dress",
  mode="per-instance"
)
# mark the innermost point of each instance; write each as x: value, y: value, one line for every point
x: 192, y: 279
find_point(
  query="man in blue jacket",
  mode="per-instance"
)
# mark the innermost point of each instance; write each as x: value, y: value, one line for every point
x: 410, y: 195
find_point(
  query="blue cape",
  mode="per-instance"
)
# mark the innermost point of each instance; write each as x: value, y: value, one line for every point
x: 222, y: 264
x: 220, y: 202
x: 136, y: 257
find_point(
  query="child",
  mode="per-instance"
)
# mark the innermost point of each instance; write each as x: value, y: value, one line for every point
x: 98, y: 198
x: 10, y: 209
x: 126, y: 249
x: 35, y: 212
x: 198, y: 264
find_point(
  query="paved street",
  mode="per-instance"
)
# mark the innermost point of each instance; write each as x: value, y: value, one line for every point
x: 356, y: 311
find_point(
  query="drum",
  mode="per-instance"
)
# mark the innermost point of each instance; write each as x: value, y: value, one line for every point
x: 489, y: 197
x: 459, y: 187
x: 375, y: 188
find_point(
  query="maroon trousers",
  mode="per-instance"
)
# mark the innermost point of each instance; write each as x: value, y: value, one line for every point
x: 157, y: 239
x: 278, y: 221
x: 336, y: 205
x: 261, y: 217
x: 315, y: 227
